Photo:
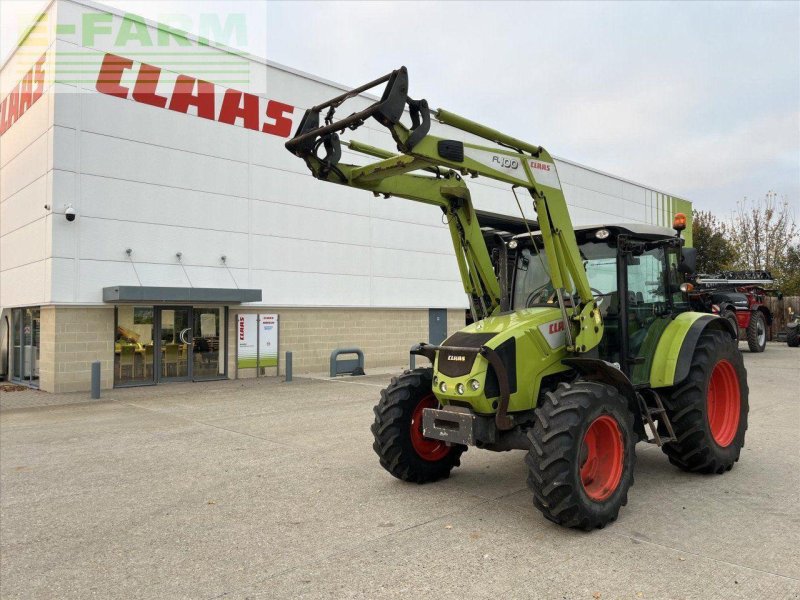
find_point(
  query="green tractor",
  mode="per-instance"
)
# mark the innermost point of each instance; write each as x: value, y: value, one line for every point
x: 583, y: 341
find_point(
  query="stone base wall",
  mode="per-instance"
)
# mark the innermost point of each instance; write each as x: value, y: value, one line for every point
x: 384, y: 335
x: 72, y: 338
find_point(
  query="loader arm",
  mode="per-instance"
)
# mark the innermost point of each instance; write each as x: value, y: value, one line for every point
x: 430, y: 169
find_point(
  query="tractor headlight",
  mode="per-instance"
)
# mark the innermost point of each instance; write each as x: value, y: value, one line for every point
x: 443, y: 387
x: 474, y: 385
x: 460, y: 389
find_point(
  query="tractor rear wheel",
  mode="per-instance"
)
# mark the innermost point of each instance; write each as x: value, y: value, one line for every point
x: 399, y: 443
x: 580, y: 463
x: 708, y: 410
x: 757, y: 332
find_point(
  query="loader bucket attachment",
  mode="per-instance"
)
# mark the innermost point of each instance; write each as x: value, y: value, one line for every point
x: 387, y: 111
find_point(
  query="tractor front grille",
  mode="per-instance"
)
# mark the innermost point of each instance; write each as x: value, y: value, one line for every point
x: 458, y: 364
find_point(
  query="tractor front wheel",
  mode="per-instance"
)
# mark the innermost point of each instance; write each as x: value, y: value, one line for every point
x: 730, y: 315
x: 580, y: 462
x: 399, y: 443
x: 708, y: 410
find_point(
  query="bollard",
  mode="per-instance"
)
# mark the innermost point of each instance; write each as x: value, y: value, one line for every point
x: 96, y: 379
x: 288, y: 366
x: 353, y: 366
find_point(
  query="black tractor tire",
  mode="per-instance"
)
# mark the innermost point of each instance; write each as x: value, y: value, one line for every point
x: 757, y: 332
x: 793, y: 336
x: 398, y: 447
x: 701, y: 408
x: 565, y: 487
x: 730, y: 315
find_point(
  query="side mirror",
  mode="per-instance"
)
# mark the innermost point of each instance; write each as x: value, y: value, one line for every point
x: 688, y: 264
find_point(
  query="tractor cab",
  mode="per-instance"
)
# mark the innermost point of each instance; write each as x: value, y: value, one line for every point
x: 636, y: 273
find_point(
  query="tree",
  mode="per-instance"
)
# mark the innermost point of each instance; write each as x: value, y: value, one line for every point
x: 766, y: 236
x: 790, y: 273
x: 711, y: 239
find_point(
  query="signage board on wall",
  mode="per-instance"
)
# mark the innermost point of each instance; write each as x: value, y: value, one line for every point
x: 257, y: 341
x: 246, y: 341
x: 268, y: 340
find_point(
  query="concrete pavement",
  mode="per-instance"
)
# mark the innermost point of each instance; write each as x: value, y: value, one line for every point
x: 261, y: 489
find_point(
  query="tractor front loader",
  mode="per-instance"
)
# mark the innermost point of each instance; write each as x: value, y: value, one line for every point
x: 588, y: 347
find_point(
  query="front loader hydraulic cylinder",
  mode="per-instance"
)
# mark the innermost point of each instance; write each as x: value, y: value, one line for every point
x: 486, y: 133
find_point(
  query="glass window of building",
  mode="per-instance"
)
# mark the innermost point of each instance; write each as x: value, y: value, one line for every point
x: 134, y: 348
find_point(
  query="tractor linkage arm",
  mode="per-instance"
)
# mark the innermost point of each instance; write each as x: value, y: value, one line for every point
x: 444, y: 163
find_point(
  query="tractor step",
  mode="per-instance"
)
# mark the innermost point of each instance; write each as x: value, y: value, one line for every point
x: 655, y: 408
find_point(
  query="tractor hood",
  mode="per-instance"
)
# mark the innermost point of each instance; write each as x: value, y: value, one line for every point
x: 537, y: 334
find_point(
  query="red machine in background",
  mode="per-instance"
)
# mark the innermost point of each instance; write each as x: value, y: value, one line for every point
x: 738, y: 296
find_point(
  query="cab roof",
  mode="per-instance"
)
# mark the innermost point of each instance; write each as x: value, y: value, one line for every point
x: 643, y: 231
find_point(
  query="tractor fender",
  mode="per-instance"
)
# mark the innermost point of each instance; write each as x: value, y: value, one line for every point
x: 595, y: 369
x: 767, y: 314
x: 675, y: 349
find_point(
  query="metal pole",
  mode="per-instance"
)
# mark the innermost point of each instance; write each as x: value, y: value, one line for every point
x: 412, y: 361
x: 96, y: 379
x: 288, y: 367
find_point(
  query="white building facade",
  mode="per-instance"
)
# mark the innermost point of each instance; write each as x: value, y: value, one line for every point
x: 147, y: 200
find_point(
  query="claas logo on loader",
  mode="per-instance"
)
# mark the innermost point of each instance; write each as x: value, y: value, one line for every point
x: 540, y: 166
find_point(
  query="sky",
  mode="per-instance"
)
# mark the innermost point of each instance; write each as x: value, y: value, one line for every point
x: 701, y: 100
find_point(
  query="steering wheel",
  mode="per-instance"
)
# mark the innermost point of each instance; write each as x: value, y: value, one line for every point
x: 534, y: 293
x: 596, y: 293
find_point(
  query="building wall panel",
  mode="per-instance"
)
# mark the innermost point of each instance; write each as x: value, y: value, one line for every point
x: 160, y: 182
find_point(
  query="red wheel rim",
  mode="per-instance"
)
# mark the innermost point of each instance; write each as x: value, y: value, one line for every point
x: 602, y: 454
x: 427, y: 449
x: 723, y: 403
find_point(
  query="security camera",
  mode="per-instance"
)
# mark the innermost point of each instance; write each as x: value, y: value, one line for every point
x: 70, y: 213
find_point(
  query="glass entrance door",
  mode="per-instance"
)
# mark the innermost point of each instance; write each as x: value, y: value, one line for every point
x: 25, y: 342
x: 208, y: 343
x: 175, y: 336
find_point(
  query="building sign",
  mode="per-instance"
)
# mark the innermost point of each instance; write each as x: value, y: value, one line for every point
x: 246, y: 341
x: 23, y: 96
x: 186, y: 93
x: 268, y: 341
x: 257, y: 341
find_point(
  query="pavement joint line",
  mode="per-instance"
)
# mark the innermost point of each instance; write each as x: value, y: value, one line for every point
x: 364, y: 544
x: 704, y: 556
x: 330, y: 380
x: 196, y: 422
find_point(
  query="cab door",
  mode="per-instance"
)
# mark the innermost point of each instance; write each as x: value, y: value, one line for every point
x: 648, y: 308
